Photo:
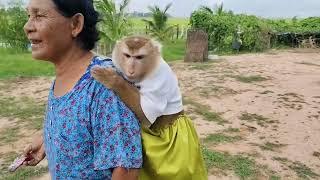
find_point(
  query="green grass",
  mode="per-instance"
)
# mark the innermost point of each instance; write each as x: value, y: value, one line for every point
x: 200, y: 66
x: 174, y: 50
x: 21, y: 64
x: 260, y: 120
x: 9, y: 135
x: 243, y: 167
x: 281, y: 159
x: 216, y: 91
x: 25, y: 173
x: 21, y: 173
x: 316, y: 154
x: 204, y: 65
x: 232, y: 130
x: 205, y: 112
x: 274, y: 177
x: 138, y: 23
x: 308, y: 63
x: 250, y: 79
x: 171, y: 51
x: 220, y: 138
x: 271, y: 146
x: 302, y: 171
x: 25, y: 110
x: 267, y: 92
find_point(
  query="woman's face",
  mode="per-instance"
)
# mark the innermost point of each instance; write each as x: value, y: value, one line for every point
x: 49, y: 32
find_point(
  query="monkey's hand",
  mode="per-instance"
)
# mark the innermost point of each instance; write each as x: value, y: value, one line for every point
x: 107, y: 76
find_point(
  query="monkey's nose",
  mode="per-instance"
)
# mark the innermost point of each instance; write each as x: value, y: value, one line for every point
x: 131, y: 72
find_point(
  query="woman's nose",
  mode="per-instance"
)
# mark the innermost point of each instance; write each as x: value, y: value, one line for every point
x: 29, y: 27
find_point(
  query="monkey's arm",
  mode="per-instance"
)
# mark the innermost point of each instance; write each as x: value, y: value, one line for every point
x: 131, y: 97
x: 128, y: 93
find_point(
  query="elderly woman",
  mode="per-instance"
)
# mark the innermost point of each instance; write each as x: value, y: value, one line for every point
x: 89, y: 133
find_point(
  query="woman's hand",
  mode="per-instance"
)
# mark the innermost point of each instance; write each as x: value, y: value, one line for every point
x: 120, y: 173
x: 34, y: 152
x: 106, y: 76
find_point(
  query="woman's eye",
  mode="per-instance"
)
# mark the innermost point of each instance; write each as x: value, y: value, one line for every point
x: 39, y: 16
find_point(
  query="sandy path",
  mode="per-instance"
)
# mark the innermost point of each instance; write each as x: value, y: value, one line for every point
x: 290, y: 97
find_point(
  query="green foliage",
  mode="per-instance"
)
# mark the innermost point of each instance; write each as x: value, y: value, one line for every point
x: 295, y: 25
x: 12, y: 21
x: 311, y: 24
x: 222, y: 28
x: 114, y: 21
x: 158, y: 25
x: 254, y: 33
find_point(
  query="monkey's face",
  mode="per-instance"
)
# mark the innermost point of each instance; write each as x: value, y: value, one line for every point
x: 137, y: 58
x: 134, y: 65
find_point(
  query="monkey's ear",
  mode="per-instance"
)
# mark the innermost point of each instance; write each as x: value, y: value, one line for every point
x: 157, y: 45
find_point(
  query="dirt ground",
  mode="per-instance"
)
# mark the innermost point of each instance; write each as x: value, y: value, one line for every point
x: 272, y: 99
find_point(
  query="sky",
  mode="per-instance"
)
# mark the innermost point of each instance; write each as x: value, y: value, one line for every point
x: 263, y: 8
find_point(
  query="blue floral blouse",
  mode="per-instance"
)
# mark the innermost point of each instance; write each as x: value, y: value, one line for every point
x: 89, y: 131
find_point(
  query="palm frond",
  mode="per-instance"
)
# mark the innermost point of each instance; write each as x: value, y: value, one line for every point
x: 207, y: 9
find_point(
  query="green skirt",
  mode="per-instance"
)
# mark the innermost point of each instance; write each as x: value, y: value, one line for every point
x: 173, y: 153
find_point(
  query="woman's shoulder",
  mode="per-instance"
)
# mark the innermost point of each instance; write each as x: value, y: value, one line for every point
x: 88, y: 81
x: 101, y: 61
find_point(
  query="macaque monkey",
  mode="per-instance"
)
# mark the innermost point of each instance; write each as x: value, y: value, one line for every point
x: 152, y: 92
x: 150, y: 89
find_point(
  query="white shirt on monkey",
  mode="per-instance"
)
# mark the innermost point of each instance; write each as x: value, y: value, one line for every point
x: 160, y: 93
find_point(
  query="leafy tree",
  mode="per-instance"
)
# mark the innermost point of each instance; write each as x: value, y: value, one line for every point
x: 218, y: 10
x: 114, y: 20
x: 12, y: 21
x: 158, y: 24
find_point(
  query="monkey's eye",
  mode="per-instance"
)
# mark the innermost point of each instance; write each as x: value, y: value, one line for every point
x: 140, y: 57
x: 127, y: 55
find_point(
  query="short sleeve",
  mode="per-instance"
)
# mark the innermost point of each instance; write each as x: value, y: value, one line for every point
x: 153, y: 104
x: 116, y: 132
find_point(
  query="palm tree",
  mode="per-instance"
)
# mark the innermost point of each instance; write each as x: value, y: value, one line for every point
x: 114, y: 22
x: 158, y: 24
x: 218, y: 10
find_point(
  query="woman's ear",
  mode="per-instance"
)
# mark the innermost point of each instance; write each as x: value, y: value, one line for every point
x: 77, y: 23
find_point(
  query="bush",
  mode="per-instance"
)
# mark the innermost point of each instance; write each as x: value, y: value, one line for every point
x: 222, y: 30
x: 257, y: 34
x: 12, y: 34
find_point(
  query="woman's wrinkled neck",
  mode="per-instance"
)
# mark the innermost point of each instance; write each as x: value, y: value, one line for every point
x: 72, y: 61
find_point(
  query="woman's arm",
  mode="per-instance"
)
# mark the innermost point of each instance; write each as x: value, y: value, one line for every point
x: 34, y: 151
x: 120, y: 173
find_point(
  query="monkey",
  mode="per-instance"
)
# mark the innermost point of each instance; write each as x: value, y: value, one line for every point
x: 139, y: 59
x: 149, y: 87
